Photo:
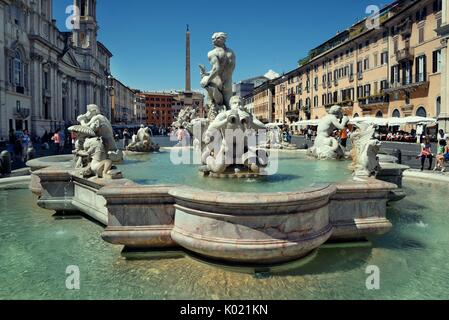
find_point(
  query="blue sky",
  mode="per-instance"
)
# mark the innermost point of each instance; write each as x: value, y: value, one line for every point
x: 147, y: 37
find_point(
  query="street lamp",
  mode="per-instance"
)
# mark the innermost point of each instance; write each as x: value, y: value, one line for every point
x: 110, y: 86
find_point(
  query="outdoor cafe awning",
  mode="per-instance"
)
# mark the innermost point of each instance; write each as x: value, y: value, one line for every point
x: 391, y: 122
x: 307, y: 123
x: 274, y: 125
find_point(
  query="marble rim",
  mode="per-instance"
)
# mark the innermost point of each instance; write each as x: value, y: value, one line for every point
x: 220, y: 198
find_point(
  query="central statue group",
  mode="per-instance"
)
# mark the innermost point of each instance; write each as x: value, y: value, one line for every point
x: 226, y: 114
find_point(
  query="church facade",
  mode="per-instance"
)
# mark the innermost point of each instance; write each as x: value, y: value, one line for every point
x: 48, y: 77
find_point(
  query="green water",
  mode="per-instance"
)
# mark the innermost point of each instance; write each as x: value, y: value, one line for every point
x: 36, y: 248
x: 294, y: 172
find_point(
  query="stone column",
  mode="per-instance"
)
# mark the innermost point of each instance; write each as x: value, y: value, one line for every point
x: 4, y: 127
x: 443, y: 31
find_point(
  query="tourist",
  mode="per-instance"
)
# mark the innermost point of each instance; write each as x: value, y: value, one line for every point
x: 25, y: 144
x: 73, y: 136
x: 187, y: 136
x: 309, y: 134
x: 446, y: 155
x: 62, y: 141
x: 286, y: 135
x: 12, y: 136
x: 344, y: 137
x: 57, y: 141
x: 426, y: 153
x: 126, y: 138
x: 440, y: 155
x: 441, y: 135
x: 180, y: 134
x: 18, y: 149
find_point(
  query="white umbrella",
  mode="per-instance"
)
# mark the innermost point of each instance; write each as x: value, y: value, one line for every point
x: 410, y: 120
x: 274, y: 125
x: 370, y: 120
x: 307, y: 122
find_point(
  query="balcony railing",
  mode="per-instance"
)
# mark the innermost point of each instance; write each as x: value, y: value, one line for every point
x: 405, y: 54
x: 374, y: 100
x: 405, y: 28
x: 408, y: 87
x: 292, y: 114
x: 22, y: 113
x: 347, y: 103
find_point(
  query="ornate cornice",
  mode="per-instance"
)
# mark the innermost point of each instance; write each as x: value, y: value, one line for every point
x: 36, y: 57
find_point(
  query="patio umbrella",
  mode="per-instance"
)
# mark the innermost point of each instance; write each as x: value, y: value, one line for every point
x: 410, y: 120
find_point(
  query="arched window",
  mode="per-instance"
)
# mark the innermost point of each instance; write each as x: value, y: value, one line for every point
x: 438, y: 106
x: 379, y: 114
x: 396, y: 114
x: 356, y: 115
x: 421, y: 112
x: 17, y: 69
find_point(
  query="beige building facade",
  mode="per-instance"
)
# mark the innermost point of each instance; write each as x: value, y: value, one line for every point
x: 443, y: 31
x: 393, y: 69
x: 123, y: 104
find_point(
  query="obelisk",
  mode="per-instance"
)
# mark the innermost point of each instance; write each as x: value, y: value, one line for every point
x: 188, y: 83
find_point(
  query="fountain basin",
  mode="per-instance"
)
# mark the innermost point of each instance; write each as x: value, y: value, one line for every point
x: 252, y: 228
x: 256, y: 228
x: 61, y: 161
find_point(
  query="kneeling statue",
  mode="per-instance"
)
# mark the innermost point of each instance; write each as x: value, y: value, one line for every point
x: 326, y: 146
x: 99, y: 164
x: 143, y: 142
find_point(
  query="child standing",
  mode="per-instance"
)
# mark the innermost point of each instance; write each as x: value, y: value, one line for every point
x: 440, y: 155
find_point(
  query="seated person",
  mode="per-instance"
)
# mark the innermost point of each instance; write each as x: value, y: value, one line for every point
x: 426, y: 153
x: 440, y: 155
x: 389, y: 136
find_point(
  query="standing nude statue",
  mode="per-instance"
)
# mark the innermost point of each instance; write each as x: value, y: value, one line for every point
x: 218, y: 82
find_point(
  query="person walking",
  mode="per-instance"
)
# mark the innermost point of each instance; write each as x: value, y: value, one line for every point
x: 440, y: 155
x: 442, y: 135
x: 57, y: 140
x: 62, y: 141
x: 73, y: 137
x: 426, y: 153
x: 126, y: 138
x: 344, y: 137
x: 12, y: 136
x: 18, y: 149
x: 25, y: 144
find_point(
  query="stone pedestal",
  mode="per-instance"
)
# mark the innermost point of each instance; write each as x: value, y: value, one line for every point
x: 139, y: 216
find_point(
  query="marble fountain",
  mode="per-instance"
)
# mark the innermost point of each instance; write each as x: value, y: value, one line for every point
x: 229, y: 207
